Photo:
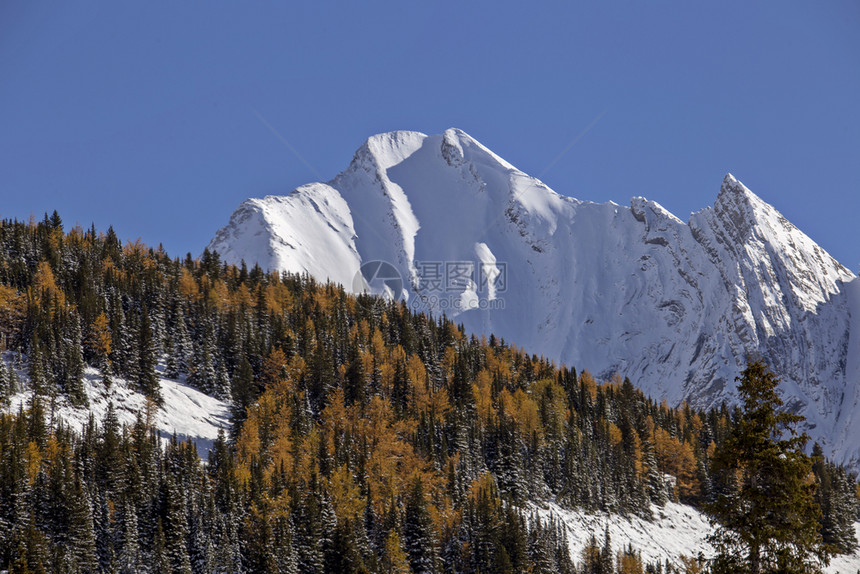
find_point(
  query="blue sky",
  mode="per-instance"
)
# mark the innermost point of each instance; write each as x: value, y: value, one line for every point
x: 147, y: 115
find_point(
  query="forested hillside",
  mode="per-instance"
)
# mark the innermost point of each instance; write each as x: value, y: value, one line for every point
x: 364, y: 438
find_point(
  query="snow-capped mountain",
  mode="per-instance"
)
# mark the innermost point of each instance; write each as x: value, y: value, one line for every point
x: 675, y: 306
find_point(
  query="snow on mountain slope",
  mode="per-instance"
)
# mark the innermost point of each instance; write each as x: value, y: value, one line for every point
x: 676, y: 530
x: 629, y: 289
x: 307, y: 231
x: 186, y: 412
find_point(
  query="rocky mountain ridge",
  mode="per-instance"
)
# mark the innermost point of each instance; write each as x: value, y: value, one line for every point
x: 632, y: 290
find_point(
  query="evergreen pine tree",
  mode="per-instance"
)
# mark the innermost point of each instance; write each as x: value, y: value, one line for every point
x: 837, y: 498
x: 222, y: 547
x: 183, y: 347
x: 5, y: 390
x: 201, y: 372
x: 769, y: 521
x: 160, y: 561
x: 606, y: 555
x: 107, y: 373
x: 147, y: 359
x: 418, y: 537
x: 354, y: 384
x: 104, y: 533
x: 843, y: 510
x: 328, y: 540
x: 13, y: 383
x: 508, y: 467
x: 171, y: 370
x: 82, y: 537
x: 36, y: 371
x: 309, y: 536
x: 541, y: 554
x: 28, y: 544
x: 258, y: 542
x: 223, y: 384
x: 125, y: 354
x: 73, y: 364
x: 108, y: 455
x: 242, y: 393
x: 286, y: 561
x: 176, y: 527
x: 129, y: 548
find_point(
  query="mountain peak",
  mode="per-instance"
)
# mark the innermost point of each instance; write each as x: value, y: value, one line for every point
x: 740, y: 210
x: 731, y: 181
x: 733, y: 191
x: 384, y: 150
x: 629, y: 290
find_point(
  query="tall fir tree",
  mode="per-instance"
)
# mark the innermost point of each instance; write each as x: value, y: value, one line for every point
x: 159, y: 556
x: 418, y: 536
x: 836, y: 495
x: 129, y: 549
x: 36, y: 371
x: 766, y: 519
x: 183, y: 347
x: 82, y: 537
x: 147, y: 359
x: 175, y: 527
x: 5, y: 387
x: 73, y: 364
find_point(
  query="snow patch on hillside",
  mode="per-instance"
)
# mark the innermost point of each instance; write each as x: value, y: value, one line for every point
x: 186, y: 412
x: 676, y: 530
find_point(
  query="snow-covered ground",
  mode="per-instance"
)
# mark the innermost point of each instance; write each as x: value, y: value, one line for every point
x: 848, y: 563
x: 676, y: 530
x: 186, y: 412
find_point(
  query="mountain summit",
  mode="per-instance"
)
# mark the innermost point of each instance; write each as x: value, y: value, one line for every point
x: 615, y: 289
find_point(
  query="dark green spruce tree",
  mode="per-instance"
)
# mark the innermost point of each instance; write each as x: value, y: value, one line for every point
x: 417, y: 532
x: 147, y: 358
x: 764, y: 510
x: 836, y: 496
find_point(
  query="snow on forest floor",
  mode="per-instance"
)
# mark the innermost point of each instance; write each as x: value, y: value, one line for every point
x: 677, y: 529
x: 185, y: 412
x: 847, y: 563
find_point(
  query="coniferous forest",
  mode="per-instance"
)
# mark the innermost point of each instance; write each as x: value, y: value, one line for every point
x: 364, y: 437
